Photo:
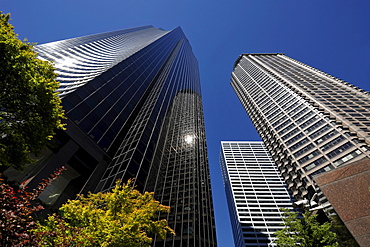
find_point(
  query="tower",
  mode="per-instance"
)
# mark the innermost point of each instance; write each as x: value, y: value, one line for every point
x: 134, y: 110
x: 310, y: 121
x: 255, y: 192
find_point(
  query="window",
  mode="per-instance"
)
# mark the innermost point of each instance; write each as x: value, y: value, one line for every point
x: 339, y: 150
x: 310, y: 156
x: 297, y: 145
x: 347, y: 157
x: 315, y: 163
x: 303, y: 150
x: 334, y: 142
x: 315, y: 126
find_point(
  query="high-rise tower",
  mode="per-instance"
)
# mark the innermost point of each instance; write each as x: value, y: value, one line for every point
x: 255, y: 192
x: 310, y: 121
x: 133, y: 102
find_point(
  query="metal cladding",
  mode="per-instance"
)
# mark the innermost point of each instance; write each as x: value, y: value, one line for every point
x: 79, y: 60
x: 135, y: 94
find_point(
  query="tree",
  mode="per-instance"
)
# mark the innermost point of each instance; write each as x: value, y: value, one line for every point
x: 30, y: 109
x: 344, y: 237
x: 16, y: 208
x: 305, y: 231
x: 123, y: 217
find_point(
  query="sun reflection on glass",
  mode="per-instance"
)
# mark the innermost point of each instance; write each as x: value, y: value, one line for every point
x: 189, y: 139
x: 65, y: 62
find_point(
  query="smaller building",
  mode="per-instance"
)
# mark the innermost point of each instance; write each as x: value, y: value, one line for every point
x: 255, y: 192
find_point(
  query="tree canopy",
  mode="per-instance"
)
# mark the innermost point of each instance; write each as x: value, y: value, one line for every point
x: 305, y: 231
x: 123, y: 217
x: 16, y: 209
x: 30, y: 109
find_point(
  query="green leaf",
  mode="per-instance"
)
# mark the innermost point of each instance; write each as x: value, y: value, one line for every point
x: 30, y: 110
x: 123, y: 217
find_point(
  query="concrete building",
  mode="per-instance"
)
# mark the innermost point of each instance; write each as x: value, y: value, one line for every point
x: 255, y: 192
x: 310, y: 121
x: 314, y: 125
x: 348, y: 190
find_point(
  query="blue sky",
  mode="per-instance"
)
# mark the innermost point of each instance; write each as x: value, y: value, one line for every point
x: 330, y: 35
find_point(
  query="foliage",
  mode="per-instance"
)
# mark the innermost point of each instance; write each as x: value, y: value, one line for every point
x: 30, y: 108
x: 305, y: 231
x: 16, y: 208
x: 345, y: 238
x: 123, y: 217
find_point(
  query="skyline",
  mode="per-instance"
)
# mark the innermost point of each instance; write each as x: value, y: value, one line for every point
x: 330, y: 36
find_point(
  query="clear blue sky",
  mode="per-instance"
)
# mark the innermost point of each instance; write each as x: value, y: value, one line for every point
x: 330, y: 35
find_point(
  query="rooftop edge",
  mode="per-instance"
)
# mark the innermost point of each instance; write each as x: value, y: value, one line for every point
x: 254, y: 54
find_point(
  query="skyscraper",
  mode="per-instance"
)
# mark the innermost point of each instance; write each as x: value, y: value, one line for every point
x: 255, y: 192
x: 310, y: 121
x: 133, y: 102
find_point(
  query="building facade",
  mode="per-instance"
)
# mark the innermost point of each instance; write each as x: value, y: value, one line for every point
x: 346, y: 189
x: 310, y: 121
x: 134, y: 110
x: 255, y: 192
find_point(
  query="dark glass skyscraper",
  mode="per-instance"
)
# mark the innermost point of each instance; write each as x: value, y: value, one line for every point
x: 134, y: 109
